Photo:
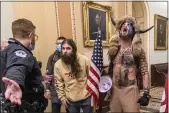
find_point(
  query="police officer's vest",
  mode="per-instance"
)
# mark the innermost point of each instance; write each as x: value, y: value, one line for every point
x: 2, y: 69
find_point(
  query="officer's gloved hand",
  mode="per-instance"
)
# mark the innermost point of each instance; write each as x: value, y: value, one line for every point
x: 144, y: 100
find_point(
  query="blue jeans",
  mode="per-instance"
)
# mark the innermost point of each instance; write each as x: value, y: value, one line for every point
x: 56, y: 107
x: 85, y: 105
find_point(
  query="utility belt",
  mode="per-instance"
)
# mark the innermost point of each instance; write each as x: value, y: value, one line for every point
x: 125, y: 83
x: 7, y: 107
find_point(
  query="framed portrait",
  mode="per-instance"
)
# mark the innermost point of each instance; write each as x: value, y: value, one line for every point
x: 160, y: 32
x: 96, y: 19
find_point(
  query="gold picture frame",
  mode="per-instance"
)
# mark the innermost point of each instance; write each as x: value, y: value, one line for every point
x: 95, y: 15
x: 160, y: 32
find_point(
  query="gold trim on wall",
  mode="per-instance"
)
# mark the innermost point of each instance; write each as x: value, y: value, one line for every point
x: 162, y: 41
x: 86, y: 5
x: 57, y: 19
x: 125, y: 5
x: 72, y: 7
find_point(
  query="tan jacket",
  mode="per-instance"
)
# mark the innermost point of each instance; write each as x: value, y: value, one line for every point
x: 69, y: 87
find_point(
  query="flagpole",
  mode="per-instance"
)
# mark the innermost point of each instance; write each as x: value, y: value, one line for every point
x: 92, y: 101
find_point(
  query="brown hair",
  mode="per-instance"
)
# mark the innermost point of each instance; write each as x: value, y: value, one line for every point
x: 75, y: 66
x: 22, y: 27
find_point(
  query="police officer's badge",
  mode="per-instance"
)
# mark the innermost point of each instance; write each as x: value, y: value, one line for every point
x: 20, y: 53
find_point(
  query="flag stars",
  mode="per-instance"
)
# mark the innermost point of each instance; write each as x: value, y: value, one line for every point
x: 97, y: 59
x: 97, y: 56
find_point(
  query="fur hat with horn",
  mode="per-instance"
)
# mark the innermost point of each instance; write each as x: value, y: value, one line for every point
x: 136, y: 39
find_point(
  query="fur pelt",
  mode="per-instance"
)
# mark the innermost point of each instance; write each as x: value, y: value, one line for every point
x: 114, y: 40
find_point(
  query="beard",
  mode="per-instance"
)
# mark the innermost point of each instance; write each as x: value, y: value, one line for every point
x: 72, y: 60
x: 68, y: 58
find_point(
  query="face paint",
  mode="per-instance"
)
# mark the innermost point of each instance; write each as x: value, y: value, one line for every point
x: 127, y: 29
x: 130, y: 29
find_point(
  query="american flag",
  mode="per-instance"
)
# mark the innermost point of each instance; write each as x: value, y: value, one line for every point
x: 164, y: 101
x: 95, y: 71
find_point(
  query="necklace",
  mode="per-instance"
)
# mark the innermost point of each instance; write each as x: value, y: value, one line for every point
x: 124, y: 50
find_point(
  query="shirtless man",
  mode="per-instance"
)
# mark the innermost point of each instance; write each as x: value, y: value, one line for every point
x: 128, y: 64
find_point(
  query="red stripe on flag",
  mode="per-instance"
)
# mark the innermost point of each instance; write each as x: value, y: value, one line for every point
x: 95, y: 70
x: 95, y: 73
x: 165, y: 102
x: 93, y: 94
x: 93, y: 82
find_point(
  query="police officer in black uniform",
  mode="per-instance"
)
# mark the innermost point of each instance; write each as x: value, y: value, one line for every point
x: 22, y: 75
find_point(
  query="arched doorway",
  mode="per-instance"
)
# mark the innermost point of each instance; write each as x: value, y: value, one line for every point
x: 140, y: 11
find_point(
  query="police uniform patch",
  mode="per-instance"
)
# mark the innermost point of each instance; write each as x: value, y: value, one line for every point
x: 20, y: 53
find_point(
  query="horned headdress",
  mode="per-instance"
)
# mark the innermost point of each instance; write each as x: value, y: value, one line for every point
x: 136, y: 41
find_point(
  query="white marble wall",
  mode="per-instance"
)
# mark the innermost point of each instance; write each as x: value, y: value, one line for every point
x: 155, y: 56
x: 6, y: 20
